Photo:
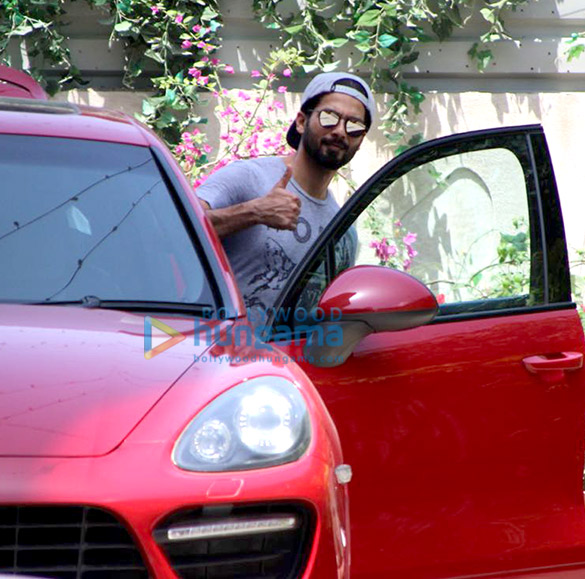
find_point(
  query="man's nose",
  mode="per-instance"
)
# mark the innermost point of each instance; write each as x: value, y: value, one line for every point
x: 339, y: 130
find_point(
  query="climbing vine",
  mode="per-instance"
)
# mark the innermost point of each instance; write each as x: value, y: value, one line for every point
x: 180, y: 37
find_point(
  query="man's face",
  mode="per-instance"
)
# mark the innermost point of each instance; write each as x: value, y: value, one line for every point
x: 332, y: 147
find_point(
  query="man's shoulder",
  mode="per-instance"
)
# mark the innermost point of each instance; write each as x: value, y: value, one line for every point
x: 241, y: 180
x: 259, y: 167
x: 263, y: 164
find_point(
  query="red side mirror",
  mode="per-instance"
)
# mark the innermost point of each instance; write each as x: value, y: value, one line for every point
x: 363, y: 300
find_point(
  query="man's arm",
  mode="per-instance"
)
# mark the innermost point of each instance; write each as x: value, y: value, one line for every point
x: 278, y: 208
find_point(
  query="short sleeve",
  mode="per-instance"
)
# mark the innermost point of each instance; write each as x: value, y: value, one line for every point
x: 228, y: 186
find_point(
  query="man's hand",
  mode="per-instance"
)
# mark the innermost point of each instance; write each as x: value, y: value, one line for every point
x: 279, y: 208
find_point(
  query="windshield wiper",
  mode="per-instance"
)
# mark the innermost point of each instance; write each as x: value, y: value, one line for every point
x: 91, y: 301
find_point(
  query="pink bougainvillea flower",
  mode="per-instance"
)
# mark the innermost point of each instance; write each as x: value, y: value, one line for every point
x: 155, y: 9
x: 196, y: 28
x: 409, y: 238
x: 186, y: 44
x: 286, y: 72
x: 179, y: 18
x: 384, y: 251
x: 255, y: 74
x: 281, y: 89
x: 215, y: 61
x: 194, y: 72
x: 229, y: 69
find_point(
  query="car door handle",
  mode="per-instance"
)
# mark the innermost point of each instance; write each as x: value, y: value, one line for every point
x: 552, y: 367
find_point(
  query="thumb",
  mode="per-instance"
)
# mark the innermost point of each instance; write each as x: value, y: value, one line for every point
x: 285, y: 178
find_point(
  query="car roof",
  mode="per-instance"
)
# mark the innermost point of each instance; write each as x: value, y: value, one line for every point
x: 56, y: 119
x: 25, y: 109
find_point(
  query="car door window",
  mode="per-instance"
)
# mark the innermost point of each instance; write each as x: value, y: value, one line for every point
x: 464, y: 218
x: 460, y: 225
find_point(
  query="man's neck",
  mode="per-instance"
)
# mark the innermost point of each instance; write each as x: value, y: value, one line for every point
x: 312, y: 178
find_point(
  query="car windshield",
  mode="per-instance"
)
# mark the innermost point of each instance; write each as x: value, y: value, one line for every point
x: 83, y: 218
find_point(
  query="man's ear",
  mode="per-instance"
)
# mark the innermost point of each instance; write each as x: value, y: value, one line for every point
x: 300, y: 121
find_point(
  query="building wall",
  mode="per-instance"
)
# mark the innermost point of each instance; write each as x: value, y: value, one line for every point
x: 529, y: 81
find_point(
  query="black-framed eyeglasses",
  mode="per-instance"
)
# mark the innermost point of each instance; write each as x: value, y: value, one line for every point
x: 329, y: 119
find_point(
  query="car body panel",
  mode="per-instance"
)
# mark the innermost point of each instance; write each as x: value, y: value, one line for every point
x: 17, y: 84
x: 79, y: 410
x: 458, y: 452
x: 91, y: 124
x: 88, y: 421
x: 140, y: 484
x: 467, y: 460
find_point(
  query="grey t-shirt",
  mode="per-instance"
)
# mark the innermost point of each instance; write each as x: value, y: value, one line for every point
x: 263, y: 257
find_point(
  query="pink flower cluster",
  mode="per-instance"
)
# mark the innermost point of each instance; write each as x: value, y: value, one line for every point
x: 252, y: 125
x: 384, y: 250
x: 395, y: 254
x: 192, y: 148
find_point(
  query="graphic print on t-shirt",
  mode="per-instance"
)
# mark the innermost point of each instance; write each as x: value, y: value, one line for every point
x: 277, y: 268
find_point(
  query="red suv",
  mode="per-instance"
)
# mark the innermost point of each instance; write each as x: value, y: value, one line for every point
x: 147, y: 429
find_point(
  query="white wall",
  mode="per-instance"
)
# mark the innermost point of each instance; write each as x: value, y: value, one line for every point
x: 530, y: 81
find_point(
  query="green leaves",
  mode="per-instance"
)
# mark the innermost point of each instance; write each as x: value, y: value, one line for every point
x: 123, y: 27
x: 166, y: 39
x: 387, y: 40
x: 575, y: 46
x: 369, y: 18
x: 482, y: 56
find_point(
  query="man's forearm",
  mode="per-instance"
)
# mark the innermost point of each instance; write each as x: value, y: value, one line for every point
x: 279, y: 209
x: 234, y: 218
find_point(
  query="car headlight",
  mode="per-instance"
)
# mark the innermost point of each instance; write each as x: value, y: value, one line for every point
x: 259, y: 423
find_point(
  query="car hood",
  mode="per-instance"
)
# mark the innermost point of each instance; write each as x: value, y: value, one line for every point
x: 75, y: 381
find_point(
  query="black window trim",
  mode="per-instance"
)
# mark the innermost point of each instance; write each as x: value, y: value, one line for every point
x: 197, y: 235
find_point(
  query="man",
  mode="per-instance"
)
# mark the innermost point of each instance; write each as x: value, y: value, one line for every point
x: 268, y: 211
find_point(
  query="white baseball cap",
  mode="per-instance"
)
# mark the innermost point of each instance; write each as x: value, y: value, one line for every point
x: 328, y: 82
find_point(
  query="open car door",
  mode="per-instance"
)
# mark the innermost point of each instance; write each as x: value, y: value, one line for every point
x: 466, y: 434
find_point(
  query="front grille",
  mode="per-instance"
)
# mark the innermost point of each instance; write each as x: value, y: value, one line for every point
x: 69, y: 542
x: 273, y: 555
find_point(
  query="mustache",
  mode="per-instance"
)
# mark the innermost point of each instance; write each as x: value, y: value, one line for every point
x: 338, y: 142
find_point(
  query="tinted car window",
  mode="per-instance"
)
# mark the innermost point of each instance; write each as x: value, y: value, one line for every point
x: 86, y: 218
x: 461, y: 225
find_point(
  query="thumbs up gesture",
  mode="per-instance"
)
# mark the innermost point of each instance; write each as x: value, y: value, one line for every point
x: 279, y: 208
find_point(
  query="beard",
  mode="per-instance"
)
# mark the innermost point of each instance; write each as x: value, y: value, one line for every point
x: 328, y: 152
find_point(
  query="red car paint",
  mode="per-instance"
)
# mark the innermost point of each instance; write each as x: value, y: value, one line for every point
x: 466, y: 436
x: 87, y: 420
x: 17, y: 84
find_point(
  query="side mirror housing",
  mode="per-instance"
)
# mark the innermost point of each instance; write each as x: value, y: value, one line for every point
x: 363, y: 300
